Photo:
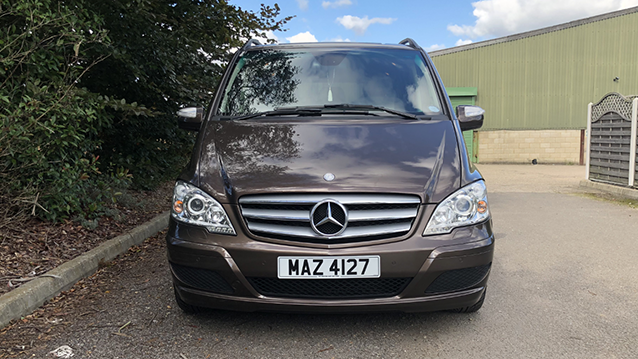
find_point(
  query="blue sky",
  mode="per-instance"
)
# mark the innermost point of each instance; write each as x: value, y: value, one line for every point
x: 433, y: 24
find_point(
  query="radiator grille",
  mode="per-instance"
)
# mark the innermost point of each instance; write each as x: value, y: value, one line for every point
x: 369, y: 216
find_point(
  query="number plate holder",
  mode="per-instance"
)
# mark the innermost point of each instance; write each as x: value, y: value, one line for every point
x: 328, y: 267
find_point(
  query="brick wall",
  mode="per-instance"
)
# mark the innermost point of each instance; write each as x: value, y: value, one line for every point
x: 546, y: 146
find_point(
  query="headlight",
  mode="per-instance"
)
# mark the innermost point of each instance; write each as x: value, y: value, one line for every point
x: 464, y: 207
x: 194, y: 206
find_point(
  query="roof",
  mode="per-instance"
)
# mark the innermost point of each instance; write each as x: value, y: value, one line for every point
x: 301, y: 45
x: 532, y: 33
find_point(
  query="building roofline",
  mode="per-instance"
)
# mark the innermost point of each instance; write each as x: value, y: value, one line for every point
x: 532, y: 33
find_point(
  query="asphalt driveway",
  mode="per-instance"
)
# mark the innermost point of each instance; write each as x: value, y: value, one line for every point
x: 564, y: 283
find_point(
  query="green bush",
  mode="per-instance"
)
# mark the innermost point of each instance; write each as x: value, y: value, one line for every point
x: 165, y: 55
x: 50, y: 126
x: 73, y: 76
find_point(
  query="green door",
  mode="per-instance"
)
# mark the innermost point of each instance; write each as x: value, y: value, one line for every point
x: 461, y: 96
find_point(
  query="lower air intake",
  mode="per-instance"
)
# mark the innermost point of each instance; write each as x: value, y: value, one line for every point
x: 458, y: 279
x: 202, y: 279
x: 330, y: 288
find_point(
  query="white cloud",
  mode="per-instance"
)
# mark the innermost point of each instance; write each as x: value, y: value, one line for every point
x: 335, y: 4
x: 360, y: 25
x: 339, y: 39
x: 303, y: 4
x: 461, y: 42
x: 302, y: 37
x: 434, y: 47
x: 505, y: 17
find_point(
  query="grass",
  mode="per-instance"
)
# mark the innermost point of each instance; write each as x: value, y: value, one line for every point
x: 608, y: 197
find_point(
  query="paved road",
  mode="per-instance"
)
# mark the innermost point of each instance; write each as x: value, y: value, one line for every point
x: 564, y: 283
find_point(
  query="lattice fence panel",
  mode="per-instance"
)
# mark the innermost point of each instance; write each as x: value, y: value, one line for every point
x: 613, y: 102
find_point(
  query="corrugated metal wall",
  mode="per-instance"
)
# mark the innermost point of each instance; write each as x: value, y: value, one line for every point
x: 546, y: 81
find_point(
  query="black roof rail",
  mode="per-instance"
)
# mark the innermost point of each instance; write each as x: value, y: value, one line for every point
x: 250, y: 43
x: 409, y: 42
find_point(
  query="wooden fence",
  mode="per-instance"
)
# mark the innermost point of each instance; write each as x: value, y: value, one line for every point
x: 612, y: 130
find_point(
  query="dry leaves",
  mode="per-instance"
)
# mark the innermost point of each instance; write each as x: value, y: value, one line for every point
x: 30, y: 249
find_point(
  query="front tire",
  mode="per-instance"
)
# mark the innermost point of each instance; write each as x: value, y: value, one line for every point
x: 472, y: 308
x: 185, y: 307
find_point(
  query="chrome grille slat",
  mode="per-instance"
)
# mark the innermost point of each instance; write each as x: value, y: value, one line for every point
x: 350, y: 232
x: 313, y: 198
x: 279, y: 215
x: 371, y: 216
x: 381, y: 215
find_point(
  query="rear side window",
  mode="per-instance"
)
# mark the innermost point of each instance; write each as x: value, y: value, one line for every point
x: 267, y: 79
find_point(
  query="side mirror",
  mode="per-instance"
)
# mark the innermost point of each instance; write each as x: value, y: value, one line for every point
x: 190, y: 118
x: 470, y: 117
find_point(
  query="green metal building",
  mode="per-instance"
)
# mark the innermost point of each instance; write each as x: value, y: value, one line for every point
x: 542, y: 80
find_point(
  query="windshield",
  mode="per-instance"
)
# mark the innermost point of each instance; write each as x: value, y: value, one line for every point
x: 268, y: 79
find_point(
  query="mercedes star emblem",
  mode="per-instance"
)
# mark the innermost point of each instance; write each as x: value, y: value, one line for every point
x: 329, y: 218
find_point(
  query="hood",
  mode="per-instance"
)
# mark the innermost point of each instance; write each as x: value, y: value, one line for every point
x: 372, y: 155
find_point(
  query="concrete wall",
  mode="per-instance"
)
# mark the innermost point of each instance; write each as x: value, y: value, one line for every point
x: 546, y: 146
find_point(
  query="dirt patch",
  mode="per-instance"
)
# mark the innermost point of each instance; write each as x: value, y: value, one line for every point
x: 35, y: 247
x: 76, y: 309
x: 609, y: 197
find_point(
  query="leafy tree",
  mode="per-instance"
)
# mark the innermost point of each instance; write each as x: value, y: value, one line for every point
x: 88, y: 90
x: 165, y: 54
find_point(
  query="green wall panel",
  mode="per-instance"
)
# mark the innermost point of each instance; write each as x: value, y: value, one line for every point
x: 546, y: 81
x: 468, y: 136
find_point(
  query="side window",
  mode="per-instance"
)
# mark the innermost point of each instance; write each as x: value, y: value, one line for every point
x: 224, y: 106
x: 422, y: 94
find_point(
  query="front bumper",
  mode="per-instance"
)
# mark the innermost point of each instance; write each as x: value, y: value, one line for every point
x: 441, y: 274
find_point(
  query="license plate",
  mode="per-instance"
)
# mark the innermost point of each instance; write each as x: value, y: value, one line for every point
x: 329, y: 267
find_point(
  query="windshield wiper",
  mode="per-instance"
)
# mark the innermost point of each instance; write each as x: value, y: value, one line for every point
x: 322, y: 110
x: 344, y: 108
x: 283, y: 111
x: 372, y: 107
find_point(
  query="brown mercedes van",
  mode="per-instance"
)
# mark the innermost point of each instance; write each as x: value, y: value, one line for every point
x: 330, y: 177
